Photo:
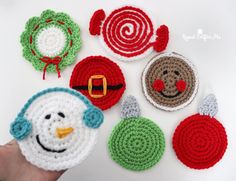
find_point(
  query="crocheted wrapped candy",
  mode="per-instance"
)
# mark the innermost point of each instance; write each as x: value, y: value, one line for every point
x: 136, y: 143
x: 51, y: 42
x: 128, y: 33
x: 170, y: 81
x: 200, y: 141
x: 100, y: 80
x: 57, y: 128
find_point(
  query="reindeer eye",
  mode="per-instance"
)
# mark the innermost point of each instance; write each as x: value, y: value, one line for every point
x: 48, y: 116
x: 176, y: 72
x: 61, y: 114
x: 165, y: 72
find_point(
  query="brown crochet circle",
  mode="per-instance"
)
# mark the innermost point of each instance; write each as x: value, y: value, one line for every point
x: 170, y: 69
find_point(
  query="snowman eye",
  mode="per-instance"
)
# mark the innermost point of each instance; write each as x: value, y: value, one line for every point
x: 48, y: 116
x: 61, y: 114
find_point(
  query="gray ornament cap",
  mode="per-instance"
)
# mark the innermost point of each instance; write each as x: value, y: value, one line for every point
x: 208, y: 106
x: 130, y: 108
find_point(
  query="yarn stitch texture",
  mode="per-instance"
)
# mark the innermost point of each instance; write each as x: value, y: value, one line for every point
x: 63, y: 130
x: 93, y: 118
x: 20, y: 128
x: 208, y: 106
x: 128, y: 33
x: 130, y: 108
x: 51, y: 42
x: 200, y: 141
x: 136, y: 143
x: 103, y: 77
x: 170, y: 81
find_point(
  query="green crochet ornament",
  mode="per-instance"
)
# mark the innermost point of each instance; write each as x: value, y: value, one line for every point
x: 136, y: 143
x: 51, y: 42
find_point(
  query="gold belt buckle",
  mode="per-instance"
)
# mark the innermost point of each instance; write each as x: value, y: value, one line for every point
x: 90, y: 86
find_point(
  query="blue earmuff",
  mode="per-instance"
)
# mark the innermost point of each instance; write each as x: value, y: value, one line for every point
x: 93, y: 117
x: 20, y: 128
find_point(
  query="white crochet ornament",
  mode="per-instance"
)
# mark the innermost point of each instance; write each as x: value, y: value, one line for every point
x: 63, y: 129
x: 51, y: 41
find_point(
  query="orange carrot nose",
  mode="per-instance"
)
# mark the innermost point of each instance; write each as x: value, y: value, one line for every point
x: 63, y: 132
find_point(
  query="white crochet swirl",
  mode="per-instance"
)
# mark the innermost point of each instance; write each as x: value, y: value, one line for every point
x: 50, y: 41
x: 129, y: 30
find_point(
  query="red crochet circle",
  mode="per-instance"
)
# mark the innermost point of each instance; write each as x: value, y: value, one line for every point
x: 158, y: 85
x: 200, y: 141
x: 121, y: 38
x: 181, y: 85
x: 98, y: 65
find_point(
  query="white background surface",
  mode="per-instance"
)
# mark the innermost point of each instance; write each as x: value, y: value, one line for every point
x: 214, y: 59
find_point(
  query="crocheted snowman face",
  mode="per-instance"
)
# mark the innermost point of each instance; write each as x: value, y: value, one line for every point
x: 128, y: 33
x: 170, y: 81
x: 63, y: 129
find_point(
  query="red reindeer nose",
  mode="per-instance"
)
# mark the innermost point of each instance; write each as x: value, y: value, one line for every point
x: 181, y: 85
x: 158, y: 85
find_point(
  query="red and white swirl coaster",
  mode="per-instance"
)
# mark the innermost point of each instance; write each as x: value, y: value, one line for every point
x: 200, y: 141
x: 128, y: 33
x: 100, y: 80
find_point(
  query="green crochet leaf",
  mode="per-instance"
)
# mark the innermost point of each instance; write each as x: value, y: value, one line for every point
x: 47, y: 19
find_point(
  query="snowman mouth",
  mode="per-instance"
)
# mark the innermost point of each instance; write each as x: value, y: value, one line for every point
x: 48, y: 149
x: 168, y: 96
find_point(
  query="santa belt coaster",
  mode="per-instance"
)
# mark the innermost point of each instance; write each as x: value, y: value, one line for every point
x: 90, y: 87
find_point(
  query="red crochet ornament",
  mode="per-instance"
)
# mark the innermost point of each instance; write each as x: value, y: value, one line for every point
x: 100, y: 80
x: 128, y: 33
x: 200, y: 141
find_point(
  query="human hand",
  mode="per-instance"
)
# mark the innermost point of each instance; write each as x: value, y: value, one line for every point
x: 14, y: 166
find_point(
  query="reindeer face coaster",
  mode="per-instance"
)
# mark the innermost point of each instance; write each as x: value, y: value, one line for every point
x: 51, y: 42
x: 100, y: 80
x: 57, y: 128
x: 136, y: 143
x: 170, y: 81
x: 200, y: 141
x: 128, y: 33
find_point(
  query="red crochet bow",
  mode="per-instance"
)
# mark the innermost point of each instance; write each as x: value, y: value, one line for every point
x: 48, y: 61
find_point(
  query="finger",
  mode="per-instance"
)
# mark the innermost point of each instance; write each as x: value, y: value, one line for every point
x: 12, y: 146
x: 11, y: 143
x: 7, y: 144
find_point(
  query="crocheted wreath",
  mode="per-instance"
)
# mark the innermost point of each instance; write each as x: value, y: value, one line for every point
x: 136, y: 143
x: 170, y: 81
x: 128, y: 33
x: 100, y: 80
x: 51, y: 42
x: 200, y: 141
x: 57, y: 128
